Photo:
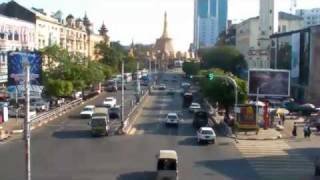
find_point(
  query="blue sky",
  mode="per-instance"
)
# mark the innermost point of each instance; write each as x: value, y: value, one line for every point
x: 142, y: 20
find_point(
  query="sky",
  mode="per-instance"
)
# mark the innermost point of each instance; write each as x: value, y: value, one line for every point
x: 141, y: 21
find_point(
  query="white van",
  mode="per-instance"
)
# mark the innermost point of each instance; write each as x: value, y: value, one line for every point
x: 167, y: 165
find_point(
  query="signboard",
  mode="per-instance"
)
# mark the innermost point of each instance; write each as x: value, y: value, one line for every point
x: 247, y: 117
x: 295, y: 55
x: 269, y: 83
x: 16, y: 61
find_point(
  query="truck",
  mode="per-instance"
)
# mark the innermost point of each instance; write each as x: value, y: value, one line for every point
x: 187, y: 99
x: 100, y: 124
x: 200, y: 119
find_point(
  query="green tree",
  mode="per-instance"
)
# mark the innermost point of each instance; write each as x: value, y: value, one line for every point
x: 226, y: 58
x: 221, y: 90
x: 191, y: 68
x: 59, y: 88
x: 130, y: 64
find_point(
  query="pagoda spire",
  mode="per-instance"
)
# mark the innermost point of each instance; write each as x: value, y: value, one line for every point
x: 165, y: 26
x: 103, y: 30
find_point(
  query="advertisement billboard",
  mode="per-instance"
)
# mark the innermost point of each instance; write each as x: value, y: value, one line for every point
x: 269, y: 83
x: 247, y: 117
x: 16, y: 62
x: 295, y: 55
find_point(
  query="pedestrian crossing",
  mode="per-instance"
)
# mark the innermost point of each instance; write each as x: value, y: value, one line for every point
x: 274, y: 160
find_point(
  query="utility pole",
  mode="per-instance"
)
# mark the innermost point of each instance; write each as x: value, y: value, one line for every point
x: 27, y: 133
x: 138, y: 80
x: 257, y: 105
x: 122, y: 93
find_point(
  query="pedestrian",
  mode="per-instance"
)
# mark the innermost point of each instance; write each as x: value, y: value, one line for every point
x: 283, y: 118
x: 294, y: 131
x: 308, y: 131
x: 305, y: 131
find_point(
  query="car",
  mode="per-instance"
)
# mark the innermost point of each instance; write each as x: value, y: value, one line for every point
x: 114, y: 112
x: 39, y: 105
x: 194, y: 107
x: 162, y: 86
x: 206, y: 134
x: 172, y: 119
x: 87, y: 111
x: 13, y: 112
x: 110, y: 102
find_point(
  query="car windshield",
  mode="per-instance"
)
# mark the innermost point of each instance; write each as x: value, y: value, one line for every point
x: 87, y: 109
x: 206, y: 132
x: 98, y: 122
x: 167, y: 164
x: 172, y: 117
x: 108, y: 99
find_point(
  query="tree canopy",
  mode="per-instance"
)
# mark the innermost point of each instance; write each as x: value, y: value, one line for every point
x: 191, y: 68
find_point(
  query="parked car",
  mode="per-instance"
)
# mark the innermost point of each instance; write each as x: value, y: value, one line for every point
x: 110, y: 102
x: 39, y: 105
x: 172, y: 119
x: 194, y: 107
x: 12, y: 112
x: 206, y: 134
x: 87, y: 111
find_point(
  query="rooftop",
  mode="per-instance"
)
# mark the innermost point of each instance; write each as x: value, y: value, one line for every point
x: 287, y: 16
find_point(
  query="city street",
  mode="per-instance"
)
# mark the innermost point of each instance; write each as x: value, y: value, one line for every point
x: 65, y: 150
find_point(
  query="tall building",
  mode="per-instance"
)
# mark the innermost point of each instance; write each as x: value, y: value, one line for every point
x: 210, y: 19
x: 289, y: 22
x: 310, y: 16
x: 266, y: 23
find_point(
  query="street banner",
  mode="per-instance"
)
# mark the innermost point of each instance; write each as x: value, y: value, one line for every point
x: 247, y: 117
x: 269, y: 83
x: 16, y: 74
x: 295, y: 55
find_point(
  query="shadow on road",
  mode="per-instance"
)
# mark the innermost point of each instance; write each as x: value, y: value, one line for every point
x: 144, y: 175
x: 72, y: 134
x: 189, y: 141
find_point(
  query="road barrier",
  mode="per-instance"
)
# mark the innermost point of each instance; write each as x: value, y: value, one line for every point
x: 127, y: 124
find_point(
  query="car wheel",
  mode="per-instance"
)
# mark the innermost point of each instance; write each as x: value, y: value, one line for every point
x: 213, y: 141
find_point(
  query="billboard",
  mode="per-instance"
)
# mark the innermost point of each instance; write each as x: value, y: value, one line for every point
x: 269, y: 83
x: 16, y: 67
x: 247, y: 117
x: 295, y: 55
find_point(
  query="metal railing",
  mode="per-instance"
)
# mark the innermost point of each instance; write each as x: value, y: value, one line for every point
x: 53, y: 114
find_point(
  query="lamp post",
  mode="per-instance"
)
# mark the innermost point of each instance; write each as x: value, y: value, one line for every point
x: 122, y: 93
x: 27, y: 134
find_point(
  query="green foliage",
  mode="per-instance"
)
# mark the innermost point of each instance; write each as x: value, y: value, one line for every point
x: 221, y: 90
x: 227, y: 58
x: 191, y: 68
x: 58, y: 88
x: 130, y: 64
x: 71, y: 72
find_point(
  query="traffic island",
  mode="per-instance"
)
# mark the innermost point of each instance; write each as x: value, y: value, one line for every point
x: 263, y: 134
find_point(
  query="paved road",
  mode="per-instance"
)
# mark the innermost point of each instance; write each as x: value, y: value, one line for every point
x: 65, y: 150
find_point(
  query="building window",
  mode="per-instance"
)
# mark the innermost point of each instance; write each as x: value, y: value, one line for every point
x: 10, y: 36
x: 16, y: 36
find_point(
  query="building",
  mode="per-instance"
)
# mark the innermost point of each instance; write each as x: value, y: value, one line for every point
x: 247, y: 39
x: 299, y: 52
x: 15, y: 34
x: 210, y: 19
x: 310, y: 16
x: 163, y: 46
x: 253, y: 36
x: 288, y: 22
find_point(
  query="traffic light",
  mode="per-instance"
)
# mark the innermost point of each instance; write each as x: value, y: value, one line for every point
x: 210, y: 76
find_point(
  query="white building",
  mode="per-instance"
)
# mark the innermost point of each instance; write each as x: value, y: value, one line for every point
x: 311, y: 16
x: 266, y: 23
x: 288, y: 22
x: 14, y: 34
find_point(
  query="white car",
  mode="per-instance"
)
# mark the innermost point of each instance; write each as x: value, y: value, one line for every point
x: 194, y: 107
x: 172, y: 119
x: 206, y: 134
x: 87, y: 111
x: 162, y: 86
x: 185, y: 84
x: 110, y: 102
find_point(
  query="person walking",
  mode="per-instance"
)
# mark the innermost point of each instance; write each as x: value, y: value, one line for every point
x: 294, y: 131
x: 305, y: 131
x: 308, y: 131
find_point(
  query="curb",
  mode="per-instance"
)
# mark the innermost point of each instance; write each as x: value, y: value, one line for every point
x: 274, y: 138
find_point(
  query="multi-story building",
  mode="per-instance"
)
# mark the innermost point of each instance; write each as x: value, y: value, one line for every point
x: 310, y: 16
x: 289, y: 22
x: 210, y: 19
x: 15, y: 34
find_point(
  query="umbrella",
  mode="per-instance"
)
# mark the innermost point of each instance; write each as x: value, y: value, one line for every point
x: 282, y: 111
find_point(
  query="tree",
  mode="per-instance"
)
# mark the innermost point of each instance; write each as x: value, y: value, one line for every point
x: 191, y: 68
x: 221, y: 90
x: 226, y: 58
x: 130, y: 64
x: 59, y: 88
